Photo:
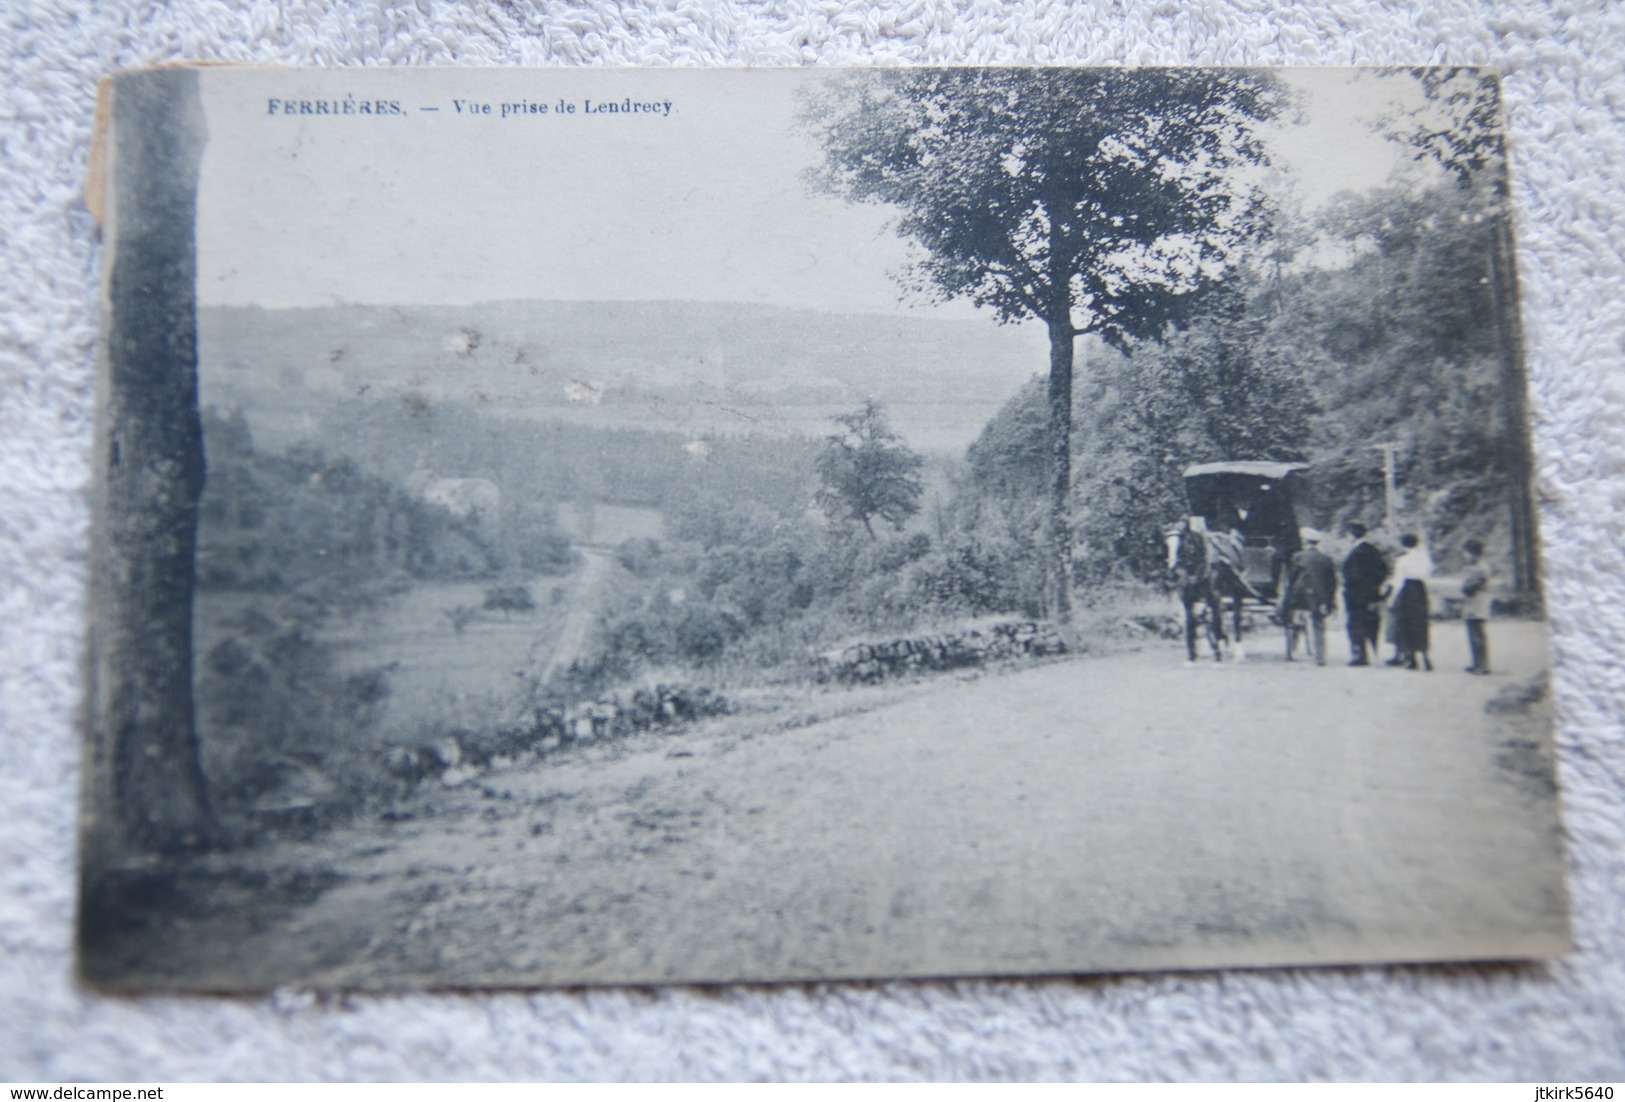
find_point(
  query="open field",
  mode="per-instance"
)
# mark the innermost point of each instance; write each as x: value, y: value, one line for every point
x: 439, y: 677
x: 475, y: 677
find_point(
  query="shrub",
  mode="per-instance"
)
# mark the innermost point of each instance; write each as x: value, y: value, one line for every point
x: 282, y: 726
x: 509, y: 598
x: 639, y: 556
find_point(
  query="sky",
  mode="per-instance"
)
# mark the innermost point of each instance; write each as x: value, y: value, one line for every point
x: 703, y: 200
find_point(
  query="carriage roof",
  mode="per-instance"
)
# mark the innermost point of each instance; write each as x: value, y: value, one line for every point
x: 1255, y: 468
x: 1216, y: 490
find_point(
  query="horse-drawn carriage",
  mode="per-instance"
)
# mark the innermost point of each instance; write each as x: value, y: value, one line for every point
x: 1240, y: 534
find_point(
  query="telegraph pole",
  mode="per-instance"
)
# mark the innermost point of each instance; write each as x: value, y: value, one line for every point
x: 1390, y: 498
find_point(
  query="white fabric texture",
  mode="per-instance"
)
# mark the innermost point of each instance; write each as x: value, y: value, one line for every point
x: 1563, y: 1022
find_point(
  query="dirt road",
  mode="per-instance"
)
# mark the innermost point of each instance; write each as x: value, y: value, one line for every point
x: 1100, y: 813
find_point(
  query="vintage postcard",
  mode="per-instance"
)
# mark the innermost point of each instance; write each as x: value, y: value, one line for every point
x: 594, y: 526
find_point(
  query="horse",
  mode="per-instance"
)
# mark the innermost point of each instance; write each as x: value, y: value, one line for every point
x: 1208, y: 579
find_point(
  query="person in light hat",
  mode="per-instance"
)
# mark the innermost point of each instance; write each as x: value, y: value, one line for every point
x: 1311, y: 586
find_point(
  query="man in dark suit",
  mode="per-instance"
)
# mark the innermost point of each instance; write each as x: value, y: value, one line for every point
x: 1364, y: 572
x: 1311, y: 586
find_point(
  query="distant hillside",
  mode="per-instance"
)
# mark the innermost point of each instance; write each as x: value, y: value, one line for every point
x: 688, y: 367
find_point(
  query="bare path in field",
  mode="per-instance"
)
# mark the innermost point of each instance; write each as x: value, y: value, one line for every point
x: 1101, y: 813
x: 586, y: 598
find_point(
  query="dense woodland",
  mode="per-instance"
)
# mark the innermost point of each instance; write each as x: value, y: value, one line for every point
x: 1398, y: 343
x: 305, y: 520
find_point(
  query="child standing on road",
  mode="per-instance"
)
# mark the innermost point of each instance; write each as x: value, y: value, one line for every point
x: 1475, y: 609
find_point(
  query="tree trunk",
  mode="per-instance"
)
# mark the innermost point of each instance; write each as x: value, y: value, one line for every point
x: 1061, y: 338
x: 146, y: 780
x: 1503, y: 286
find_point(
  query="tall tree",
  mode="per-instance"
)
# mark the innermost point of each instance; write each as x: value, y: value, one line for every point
x: 869, y: 471
x: 1092, y: 200
x: 1460, y: 129
x: 149, y: 782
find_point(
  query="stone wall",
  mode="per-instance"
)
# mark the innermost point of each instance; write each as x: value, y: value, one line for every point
x: 871, y: 661
x: 463, y: 755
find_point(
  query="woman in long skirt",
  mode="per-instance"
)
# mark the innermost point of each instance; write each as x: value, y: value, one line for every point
x: 1412, y: 572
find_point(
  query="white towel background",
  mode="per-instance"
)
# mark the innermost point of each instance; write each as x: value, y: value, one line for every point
x: 1564, y: 65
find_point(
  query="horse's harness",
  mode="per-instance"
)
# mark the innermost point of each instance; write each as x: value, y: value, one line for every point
x: 1196, y: 563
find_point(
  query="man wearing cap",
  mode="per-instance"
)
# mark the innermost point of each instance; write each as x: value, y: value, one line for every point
x: 1364, y: 572
x: 1311, y: 586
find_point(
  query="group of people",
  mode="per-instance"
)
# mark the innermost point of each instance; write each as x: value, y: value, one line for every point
x: 1309, y: 585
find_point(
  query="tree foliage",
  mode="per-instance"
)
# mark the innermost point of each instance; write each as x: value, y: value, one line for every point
x: 1092, y: 199
x: 306, y: 521
x: 1459, y: 127
x: 1397, y: 343
x: 1460, y: 130
x: 1234, y: 384
x: 1095, y: 201
x: 1386, y: 318
x: 1413, y: 357
x: 868, y: 472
